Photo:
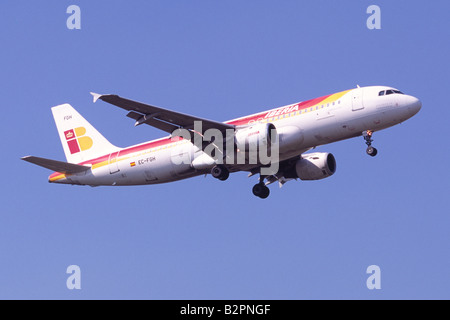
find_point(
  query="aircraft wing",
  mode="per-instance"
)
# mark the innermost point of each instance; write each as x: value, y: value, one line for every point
x: 160, y: 118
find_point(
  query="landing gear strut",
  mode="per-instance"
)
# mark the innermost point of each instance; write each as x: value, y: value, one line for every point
x: 220, y: 172
x: 260, y: 189
x: 371, y: 151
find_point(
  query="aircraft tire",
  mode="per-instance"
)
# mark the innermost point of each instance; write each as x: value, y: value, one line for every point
x: 261, y: 191
x: 371, y: 151
x: 220, y: 172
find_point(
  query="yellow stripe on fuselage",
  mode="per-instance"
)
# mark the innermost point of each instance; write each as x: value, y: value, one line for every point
x: 333, y: 98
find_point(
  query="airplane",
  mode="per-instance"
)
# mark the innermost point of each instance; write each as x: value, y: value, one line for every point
x: 287, y: 133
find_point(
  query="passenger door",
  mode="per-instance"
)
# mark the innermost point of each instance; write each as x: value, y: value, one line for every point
x: 113, y: 165
x: 357, y: 99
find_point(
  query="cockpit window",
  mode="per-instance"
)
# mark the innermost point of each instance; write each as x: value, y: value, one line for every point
x: 386, y: 92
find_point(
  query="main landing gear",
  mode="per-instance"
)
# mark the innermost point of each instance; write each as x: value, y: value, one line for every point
x: 220, y: 172
x: 260, y: 189
x: 371, y: 151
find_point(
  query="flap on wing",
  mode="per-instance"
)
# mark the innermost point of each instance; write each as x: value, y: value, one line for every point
x: 160, y: 118
x: 140, y: 119
x: 59, y: 166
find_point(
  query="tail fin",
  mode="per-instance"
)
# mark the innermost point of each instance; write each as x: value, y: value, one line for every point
x: 80, y: 140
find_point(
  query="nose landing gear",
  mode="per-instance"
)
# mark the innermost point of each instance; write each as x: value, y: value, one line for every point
x: 371, y: 151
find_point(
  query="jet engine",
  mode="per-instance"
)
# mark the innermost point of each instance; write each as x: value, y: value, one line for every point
x: 315, y: 166
x: 255, y: 136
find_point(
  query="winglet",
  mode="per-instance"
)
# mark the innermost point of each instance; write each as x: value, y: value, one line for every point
x: 96, y: 96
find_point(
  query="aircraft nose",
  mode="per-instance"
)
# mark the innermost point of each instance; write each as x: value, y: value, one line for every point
x: 413, y: 104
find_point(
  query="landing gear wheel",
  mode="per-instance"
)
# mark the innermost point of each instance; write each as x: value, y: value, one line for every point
x: 261, y: 190
x: 225, y: 176
x: 371, y: 151
x: 220, y: 172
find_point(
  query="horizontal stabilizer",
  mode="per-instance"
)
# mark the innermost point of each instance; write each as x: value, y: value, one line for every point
x: 59, y: 166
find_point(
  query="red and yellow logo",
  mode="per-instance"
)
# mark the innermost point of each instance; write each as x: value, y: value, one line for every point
x: 77, y: 141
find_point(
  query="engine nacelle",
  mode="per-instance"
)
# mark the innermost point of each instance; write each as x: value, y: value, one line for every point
x: 315, y: 166
x: 256, y: 136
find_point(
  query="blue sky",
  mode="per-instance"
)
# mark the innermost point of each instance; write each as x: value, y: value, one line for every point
x: 202, y: 238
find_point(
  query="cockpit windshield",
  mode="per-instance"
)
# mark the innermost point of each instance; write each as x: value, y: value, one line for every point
x: 386, y: 92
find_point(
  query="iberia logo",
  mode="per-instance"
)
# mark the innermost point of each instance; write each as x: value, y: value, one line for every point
x: 77, y: 141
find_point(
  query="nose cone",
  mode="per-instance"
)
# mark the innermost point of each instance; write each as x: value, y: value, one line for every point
x: 413, y: 104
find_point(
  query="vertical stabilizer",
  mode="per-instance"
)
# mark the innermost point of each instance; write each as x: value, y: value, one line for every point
x: 80, y: 140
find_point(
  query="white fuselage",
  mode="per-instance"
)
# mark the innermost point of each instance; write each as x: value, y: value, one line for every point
x: 300, y: 127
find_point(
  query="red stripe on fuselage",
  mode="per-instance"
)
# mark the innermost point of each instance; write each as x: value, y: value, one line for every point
x: 134, y: 149
x: 298, y: 106
x: 238, y: 122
